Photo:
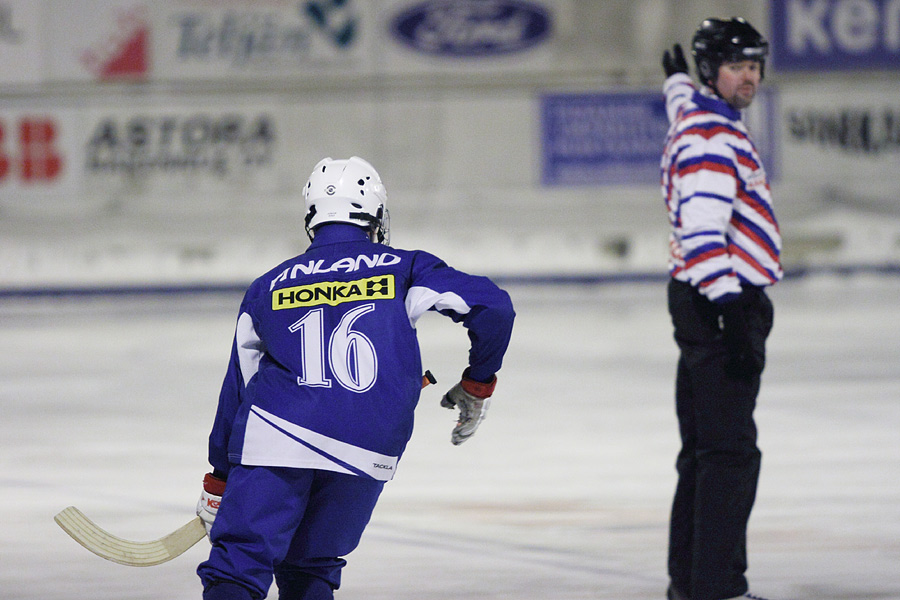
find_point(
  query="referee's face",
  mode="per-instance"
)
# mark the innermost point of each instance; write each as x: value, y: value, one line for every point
x: 738, y: 82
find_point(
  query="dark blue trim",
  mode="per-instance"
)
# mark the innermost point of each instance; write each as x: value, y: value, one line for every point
x: 875, y: 269
x: 89, y: 291
x: 580, y: 279
x: 716, y: 105
x: 502, y: 280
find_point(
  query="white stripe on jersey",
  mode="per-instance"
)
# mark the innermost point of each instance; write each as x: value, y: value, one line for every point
x: 249, y: 347
x: 274, y: 442
x: 420, y: 300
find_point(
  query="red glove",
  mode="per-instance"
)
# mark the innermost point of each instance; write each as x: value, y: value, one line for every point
x: 208, y: 505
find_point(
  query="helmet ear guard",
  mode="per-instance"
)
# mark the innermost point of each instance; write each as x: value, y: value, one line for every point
x: 347, y: 191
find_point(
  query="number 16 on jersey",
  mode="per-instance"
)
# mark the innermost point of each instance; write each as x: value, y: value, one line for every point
x: 351, y: 355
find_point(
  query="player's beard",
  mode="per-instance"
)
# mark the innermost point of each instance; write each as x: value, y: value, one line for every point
x: 743, y: 96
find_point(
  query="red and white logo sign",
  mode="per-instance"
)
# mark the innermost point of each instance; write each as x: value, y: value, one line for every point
x: 28, y: 152
x: 125, y: 54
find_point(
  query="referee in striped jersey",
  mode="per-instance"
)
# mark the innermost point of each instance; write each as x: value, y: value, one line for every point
x: 725, y: 248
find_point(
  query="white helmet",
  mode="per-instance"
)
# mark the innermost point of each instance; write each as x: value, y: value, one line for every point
x: 347, y: 191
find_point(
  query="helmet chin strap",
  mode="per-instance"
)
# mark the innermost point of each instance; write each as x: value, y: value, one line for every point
x: 307, y: 219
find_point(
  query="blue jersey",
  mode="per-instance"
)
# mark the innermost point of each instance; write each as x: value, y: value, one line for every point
x: 325, y: 369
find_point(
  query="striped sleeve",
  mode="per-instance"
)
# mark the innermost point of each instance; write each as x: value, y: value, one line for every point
x: 678, y: 90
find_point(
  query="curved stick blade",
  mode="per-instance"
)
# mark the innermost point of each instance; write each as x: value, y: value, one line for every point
x: 125, y: 552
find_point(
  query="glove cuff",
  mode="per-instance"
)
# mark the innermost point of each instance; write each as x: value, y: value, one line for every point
x: 213, y: 485
x: 477, y: 388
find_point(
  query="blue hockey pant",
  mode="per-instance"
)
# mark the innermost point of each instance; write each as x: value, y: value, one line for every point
x: 293, y: 524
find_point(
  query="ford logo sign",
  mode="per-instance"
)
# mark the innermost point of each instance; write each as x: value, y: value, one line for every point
x: 471, y: 27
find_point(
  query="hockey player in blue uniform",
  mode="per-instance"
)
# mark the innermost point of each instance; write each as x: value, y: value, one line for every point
x: 318, y: 399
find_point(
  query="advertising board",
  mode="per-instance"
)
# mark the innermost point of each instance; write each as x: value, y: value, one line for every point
x: 835, y: 35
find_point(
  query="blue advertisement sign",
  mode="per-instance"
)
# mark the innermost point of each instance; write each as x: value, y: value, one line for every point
x: 472, y: 29
x: 602, y: 138
x: 831, y: 35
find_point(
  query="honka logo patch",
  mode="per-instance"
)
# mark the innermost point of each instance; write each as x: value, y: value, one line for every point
x: 333, y: 293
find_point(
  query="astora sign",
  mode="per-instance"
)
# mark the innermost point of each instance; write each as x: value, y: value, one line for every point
x: 471, y: 27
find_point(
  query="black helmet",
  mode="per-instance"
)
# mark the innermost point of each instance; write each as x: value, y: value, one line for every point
x: 718, y: 41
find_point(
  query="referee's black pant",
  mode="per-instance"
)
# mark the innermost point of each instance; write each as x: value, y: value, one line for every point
x: 718, y: 465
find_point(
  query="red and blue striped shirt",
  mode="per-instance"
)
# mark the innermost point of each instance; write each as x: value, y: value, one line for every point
x: 724, y: 231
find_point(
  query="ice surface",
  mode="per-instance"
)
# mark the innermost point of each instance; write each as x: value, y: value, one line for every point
x: 562, y: 494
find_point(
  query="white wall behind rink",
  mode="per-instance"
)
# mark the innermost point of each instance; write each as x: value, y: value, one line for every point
x: 155, y: 188
x: 203, y: 188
